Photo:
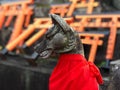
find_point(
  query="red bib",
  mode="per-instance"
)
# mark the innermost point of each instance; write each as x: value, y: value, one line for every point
x: 74, y: 72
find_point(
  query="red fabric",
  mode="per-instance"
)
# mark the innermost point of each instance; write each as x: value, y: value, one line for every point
x: 73, y: 72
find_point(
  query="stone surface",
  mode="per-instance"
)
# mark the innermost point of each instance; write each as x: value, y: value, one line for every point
x: 18, y: 75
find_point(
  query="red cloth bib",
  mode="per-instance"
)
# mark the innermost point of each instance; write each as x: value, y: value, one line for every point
x: 74, y: 72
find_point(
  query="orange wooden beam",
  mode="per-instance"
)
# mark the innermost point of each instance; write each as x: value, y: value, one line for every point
x: 94, y: 40
x: 31, y: 28
x: 2, y: 15
x: 89, y: 5
x: 18, y: 27
x: 60, y: 9
x: 11, y: 46
x: 110, y: 21
x: 112, y: 39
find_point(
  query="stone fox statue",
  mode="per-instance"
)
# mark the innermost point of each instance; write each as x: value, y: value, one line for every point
x: 73, y: 71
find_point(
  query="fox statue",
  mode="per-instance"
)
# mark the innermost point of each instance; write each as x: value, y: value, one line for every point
x: 73, y: 71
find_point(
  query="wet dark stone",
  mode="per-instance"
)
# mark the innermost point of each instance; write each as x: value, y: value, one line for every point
x: 15, y: 75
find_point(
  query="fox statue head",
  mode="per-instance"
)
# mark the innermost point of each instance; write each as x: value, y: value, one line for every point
x: 60, y: 38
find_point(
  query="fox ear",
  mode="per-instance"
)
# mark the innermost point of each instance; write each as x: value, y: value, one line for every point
x: 56, y: 19
x: 52, y: 18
